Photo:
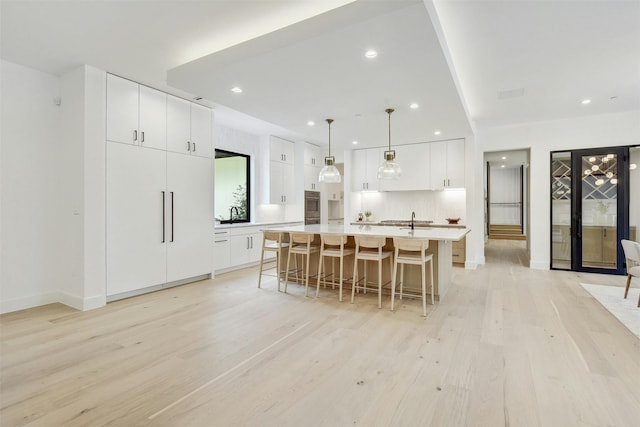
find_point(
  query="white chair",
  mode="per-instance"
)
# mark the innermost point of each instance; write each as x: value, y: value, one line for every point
x: 412, y: 251
x: 272, y: 241
x: 332, y: 245
x: 632, y: 254
x: 370, y: 248
x: 300, y: 244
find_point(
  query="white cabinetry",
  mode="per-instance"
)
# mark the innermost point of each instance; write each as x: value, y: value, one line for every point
x: 447, y: 164
x: 189, y: 185
x: 246, y: 246
x: 159, y: 216
x: 136, y: 218
x: 414, y: 161
x: 281, y: 171
x: 221, y: 250
x: 365, y: 165
x: 189, y: 127
x: 312, y: 166
x: 136, y: 114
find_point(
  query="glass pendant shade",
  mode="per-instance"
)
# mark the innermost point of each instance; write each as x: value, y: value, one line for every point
x: 329, y: 173
x: 389, y: 169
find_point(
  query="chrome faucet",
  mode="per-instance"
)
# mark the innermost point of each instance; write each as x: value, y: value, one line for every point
x: 231, y: 213
x: 413, y: 216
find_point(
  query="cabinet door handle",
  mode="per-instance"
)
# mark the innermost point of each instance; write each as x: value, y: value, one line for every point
x: 141, y: 136
x: 448, y: 182
x: 172, y: 216
x: 194, y: 146
x: 188, y: 145
x: 221, y: 241
x: 163, y: 218
x: 251, y: 242
x: 135, y: 135
x: 247, y: 243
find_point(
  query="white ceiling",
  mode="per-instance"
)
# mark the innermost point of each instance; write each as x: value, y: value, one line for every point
x: 559, y: 52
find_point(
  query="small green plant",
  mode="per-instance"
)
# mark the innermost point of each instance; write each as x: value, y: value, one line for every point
x: 367, y: 214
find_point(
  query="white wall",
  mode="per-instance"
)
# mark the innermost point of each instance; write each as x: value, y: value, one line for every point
x: 542, y: 138
x: 31, y: 161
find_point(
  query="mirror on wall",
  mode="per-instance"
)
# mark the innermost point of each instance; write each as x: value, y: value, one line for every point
x: 232, y: 189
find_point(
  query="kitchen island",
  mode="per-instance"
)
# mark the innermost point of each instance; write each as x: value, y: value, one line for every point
x: 439, y: 245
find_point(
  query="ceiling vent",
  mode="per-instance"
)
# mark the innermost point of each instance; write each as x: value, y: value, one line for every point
x: 511, y: 93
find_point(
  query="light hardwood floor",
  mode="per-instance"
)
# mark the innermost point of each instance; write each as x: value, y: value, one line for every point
x: 507, y: 346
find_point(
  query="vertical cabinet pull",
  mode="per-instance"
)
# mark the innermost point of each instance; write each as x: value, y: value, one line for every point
x: 172, y: 216
x: 135, y: 135
x: 194, y: 146
x: 188, y: 145
x: 141, y: 136
x: 163, y: 219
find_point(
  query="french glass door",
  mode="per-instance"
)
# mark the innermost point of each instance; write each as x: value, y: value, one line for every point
x: 590, y: 209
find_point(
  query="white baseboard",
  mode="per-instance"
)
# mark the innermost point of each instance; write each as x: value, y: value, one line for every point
x: 538, y: 265
x: 69, y: 300
x: 31, y: 301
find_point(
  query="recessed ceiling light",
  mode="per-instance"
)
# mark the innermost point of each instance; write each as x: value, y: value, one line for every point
x: 236, y: 89
x: 504, y: 157
x: 437, y: 132
x: 414, y: 106
x: 501, y: 166
x: 585, y: 101
x: 354, y: 142
x: 310, y: 123
x: 371, y: 54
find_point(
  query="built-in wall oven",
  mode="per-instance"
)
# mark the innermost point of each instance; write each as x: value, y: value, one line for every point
x: 312, y: 207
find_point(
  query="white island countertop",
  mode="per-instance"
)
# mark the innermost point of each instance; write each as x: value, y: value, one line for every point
x: 447, y: 234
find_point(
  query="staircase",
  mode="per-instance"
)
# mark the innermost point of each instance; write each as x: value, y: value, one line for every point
x: 506, y: 232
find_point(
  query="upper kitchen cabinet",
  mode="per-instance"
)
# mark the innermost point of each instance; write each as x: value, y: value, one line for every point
x: 281, y: 171
x: 136, y: 114
x: 312, y: 166
x: 447, y: 164
x: 414, y: 159
x: 189, y: 127
x: 364, y: 166
x: 282, y: 150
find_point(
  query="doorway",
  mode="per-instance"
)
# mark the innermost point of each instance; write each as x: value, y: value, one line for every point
x: 590, y: 209
x: 507, y: 204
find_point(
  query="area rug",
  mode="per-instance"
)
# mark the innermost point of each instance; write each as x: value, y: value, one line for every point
x: 625, y: 310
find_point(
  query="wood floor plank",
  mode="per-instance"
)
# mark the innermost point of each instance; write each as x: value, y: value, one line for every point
x: 507, y: 346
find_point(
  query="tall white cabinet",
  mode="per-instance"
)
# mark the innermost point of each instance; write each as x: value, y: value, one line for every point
x: 159, y: 207
x: 281, y: 171
x: 365, y: 169
x: 312, y: 165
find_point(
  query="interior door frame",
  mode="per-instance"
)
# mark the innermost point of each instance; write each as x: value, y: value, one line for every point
x: 622, y: 219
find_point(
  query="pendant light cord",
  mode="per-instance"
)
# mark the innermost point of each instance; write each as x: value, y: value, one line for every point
x: 389, y: 111
x: 329, y: 121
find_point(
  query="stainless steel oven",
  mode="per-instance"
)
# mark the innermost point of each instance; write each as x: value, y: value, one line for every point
x: 312, y: 207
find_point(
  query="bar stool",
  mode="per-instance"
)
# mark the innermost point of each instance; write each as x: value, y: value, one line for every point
x: 300, y: 244
x: 370, y: 248
x: 412, y: 251
x: 332, y: 245
x: 272, y: 241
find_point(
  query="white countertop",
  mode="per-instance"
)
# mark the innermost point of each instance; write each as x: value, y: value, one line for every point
x: 451, y: 234
x: 255, y: 224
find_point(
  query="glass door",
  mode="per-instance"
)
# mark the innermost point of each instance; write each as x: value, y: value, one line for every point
x: 600, y: 209
x: 589, y: 209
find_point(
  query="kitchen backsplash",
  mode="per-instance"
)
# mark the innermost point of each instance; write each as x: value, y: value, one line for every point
x: 428, y: 205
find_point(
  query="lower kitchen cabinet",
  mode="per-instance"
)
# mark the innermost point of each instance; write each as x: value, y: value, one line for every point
x: 221, y: 250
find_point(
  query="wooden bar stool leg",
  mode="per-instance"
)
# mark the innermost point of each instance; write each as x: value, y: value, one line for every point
x: 260, y: 273
x: 433, y: 287
x: 319, y: 274
x: 401, y: 279
x: 286, y: 274
x: 341, y: 274
x: 424, y: 290
x: 333, y: 273
x: 379, y: 283
x: 355, y: 279
x: 393, y: 283
x: 306, y: 290
x: 364, y: 290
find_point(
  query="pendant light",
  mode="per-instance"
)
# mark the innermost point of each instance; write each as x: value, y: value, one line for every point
x: 329, y: 173
x: 389, y: 169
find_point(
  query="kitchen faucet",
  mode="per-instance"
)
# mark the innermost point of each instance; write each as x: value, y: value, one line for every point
x: 413, y: 216
x: 231, y: 213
